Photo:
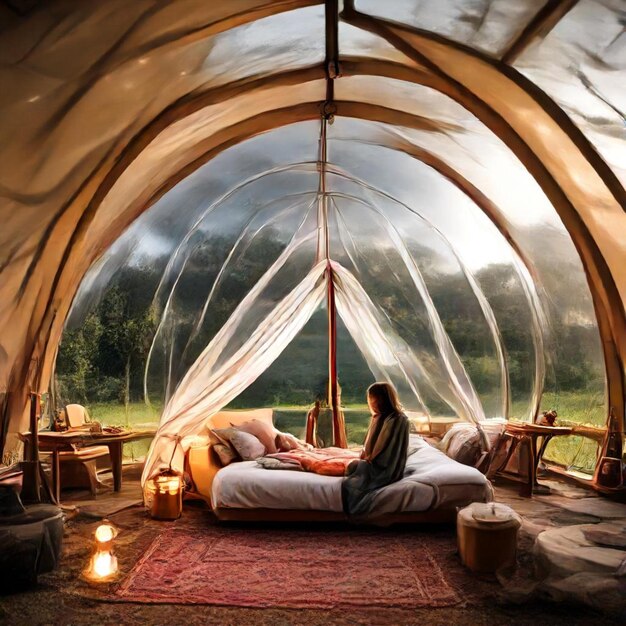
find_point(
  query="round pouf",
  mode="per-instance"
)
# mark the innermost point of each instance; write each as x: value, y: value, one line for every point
x: 487, y: 536
x: 585, y: 563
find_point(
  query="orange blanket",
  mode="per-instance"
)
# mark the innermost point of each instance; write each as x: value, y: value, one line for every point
x: 325, y: 461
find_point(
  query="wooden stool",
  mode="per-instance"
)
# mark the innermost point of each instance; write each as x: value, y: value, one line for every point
x: 523, y: 437
x: 487, y: 541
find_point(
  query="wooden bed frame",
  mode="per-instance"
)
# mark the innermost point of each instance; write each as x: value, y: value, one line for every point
x: 203, y: 465
x: 436, y: 516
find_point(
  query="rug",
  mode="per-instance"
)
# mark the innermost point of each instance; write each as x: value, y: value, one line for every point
x: 291, y: 568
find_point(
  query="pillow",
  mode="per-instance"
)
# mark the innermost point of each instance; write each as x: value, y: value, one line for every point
x: 286, y: 442
x: 224, y: 450
x: 263, y: 431
x: 225, y: 453
x: 462, y: 443
x: 248, y: 446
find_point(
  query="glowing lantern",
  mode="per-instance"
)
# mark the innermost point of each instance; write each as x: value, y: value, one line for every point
x: 103, y: 563
x: 167, y: 496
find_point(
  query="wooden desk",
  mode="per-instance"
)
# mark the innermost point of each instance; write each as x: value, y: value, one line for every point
x: 50, y: 441
x: 527, y: 434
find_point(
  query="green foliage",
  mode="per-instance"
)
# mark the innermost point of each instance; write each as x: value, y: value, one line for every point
x: 104, y: 359
x: 77, y: 359
x: 483, y: 371
x: 100, y: 360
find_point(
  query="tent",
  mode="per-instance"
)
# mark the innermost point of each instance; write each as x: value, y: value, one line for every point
x: 471, y: 135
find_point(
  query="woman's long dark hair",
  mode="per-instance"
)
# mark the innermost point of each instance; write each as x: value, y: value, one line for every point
x: 385, y: 397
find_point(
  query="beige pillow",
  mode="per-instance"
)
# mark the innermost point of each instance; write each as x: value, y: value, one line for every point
x: 286, y: 442
x: 224, y: 450
x: 225, y: 453
x: 263, y: 431
x: 462, y: 443
x: 247, y: 446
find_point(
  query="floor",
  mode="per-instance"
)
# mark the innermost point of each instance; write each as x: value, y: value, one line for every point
x: 64, y: 597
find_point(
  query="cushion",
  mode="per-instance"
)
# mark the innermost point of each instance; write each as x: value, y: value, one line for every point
x: 225, y: 453
x: 286, y: 442
x: 247, y: 446
x: 264, y: 432
x: 462, y: 443
x: 223, y: 448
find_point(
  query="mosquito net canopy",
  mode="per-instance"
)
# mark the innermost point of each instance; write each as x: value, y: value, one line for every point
x: 453, y: 170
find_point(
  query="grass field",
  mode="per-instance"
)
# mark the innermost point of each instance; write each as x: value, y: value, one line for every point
x: 573, y: 408
x: 577, y: 453
x: 290, y: 419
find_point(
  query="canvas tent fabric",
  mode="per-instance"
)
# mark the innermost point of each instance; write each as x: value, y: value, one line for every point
x: 498, y: 130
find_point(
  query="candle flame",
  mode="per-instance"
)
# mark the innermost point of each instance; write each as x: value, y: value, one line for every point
x: 104, y: 564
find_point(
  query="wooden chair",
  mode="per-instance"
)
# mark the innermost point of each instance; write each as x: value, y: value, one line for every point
x: 79, y: 467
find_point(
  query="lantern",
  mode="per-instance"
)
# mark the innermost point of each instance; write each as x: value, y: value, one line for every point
x: 103, y: 563
x: 167, y: 495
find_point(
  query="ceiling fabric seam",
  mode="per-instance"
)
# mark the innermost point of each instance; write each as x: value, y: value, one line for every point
x: 609, y: 310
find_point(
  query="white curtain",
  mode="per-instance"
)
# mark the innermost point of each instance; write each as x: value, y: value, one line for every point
x: 207, y: 387
x: 388, y: 355
x: 210, y: 384
x: 390, y: 358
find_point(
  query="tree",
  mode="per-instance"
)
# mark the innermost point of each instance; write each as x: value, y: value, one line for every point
x: 126, y: 338
x: 76, y: 364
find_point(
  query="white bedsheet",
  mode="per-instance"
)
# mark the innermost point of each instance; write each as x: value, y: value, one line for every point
x: 431, y: 480
x: 247, y: 485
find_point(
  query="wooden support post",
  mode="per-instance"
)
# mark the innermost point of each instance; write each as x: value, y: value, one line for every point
x: 339, y: 427
x: 31, y: 474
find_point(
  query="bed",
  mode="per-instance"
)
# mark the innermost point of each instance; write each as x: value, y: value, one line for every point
x: 432, y: 489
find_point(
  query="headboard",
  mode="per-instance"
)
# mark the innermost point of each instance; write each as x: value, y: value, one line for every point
x: 224, y: 419
x: 202, y: 462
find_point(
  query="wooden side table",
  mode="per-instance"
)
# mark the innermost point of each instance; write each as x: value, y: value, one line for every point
x: 526, y: 435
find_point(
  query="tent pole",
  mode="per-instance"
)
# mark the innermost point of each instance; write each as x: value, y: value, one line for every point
x: 339, y: 426
x: 339, y: 429
x: 328, y: 109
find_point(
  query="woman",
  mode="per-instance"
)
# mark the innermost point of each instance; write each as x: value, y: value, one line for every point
x: 384, y: 453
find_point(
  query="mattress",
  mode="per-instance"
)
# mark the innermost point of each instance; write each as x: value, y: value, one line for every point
x: 431, y: 480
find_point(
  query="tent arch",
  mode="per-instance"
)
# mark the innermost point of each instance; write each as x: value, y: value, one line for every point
x: 224, y: 140
x: 359, y: 110
x: 566, y: 182
x: 44, y: 334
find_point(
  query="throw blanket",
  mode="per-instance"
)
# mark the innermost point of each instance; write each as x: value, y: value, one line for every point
x: 382, y: 463
x: 325, y: 461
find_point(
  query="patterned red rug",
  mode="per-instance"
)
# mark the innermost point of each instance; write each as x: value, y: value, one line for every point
x: 291, y: 568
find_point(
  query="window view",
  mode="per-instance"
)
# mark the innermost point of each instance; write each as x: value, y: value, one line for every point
x: 475, y: 328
